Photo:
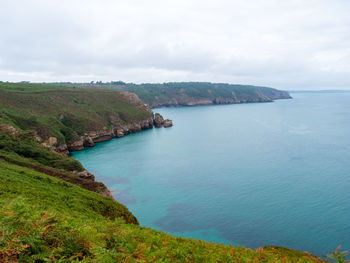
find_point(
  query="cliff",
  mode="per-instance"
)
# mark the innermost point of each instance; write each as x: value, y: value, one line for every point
x: 193, y: 93
x: 68, y: 119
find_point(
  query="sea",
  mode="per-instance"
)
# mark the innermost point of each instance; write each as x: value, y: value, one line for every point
x: 245, y: 174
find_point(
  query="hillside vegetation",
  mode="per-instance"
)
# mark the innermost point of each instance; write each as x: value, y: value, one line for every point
x: 66, y: 113
x: 44, y: 219
x: 51, y: 210
x: 192, y: 93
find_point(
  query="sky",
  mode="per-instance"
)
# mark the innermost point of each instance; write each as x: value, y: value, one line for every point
x: 290, y: 44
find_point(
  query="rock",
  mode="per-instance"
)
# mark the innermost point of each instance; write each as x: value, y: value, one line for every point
x: 88, y: 142
x: 103, y: 136
x: 52, y: 141
x: 8, y: 129
x: 198, y: 102
x: 62, y: 149
x: 224, y: 101
x: 134, y: 127
x: 167, y: 123
x: 90, y: 138
x: 125, y: 129
x: 119, y: 133
x: 76, y: 146
x: 147, y: 124
x: 158, y: 120
x: 86, y: 175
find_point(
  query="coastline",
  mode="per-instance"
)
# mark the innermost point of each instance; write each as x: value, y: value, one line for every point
x: 157, y: 121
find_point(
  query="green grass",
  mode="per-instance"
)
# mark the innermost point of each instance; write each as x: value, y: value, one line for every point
x: 44, y: 219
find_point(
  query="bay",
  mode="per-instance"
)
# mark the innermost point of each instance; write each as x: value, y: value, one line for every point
x: 246, y: 174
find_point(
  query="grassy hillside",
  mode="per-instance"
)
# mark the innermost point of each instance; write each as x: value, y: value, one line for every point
x: 66, y: 113
x: 193, y: 93
x: 44, y: 219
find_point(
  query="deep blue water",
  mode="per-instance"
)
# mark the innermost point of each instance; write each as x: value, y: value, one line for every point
x: 248, y: 174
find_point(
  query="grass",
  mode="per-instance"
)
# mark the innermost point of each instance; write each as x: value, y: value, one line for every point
x: 44, y: 219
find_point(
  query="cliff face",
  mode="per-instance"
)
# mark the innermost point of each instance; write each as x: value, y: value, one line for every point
x: 181, y: 98
x: 90, y: 138
x: 194, y: 93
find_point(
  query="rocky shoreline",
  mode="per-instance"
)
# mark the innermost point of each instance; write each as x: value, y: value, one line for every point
x: 217, y: 101
x: 90, y: 138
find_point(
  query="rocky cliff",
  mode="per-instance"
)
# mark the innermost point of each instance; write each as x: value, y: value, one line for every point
x: 181, y: 98
x: 194, y: 93
x: 116, y: 131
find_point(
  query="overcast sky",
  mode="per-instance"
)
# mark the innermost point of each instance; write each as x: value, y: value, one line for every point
x: 291, y: 44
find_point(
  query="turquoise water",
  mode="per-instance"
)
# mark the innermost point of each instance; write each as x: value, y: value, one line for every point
x: 249, y: 174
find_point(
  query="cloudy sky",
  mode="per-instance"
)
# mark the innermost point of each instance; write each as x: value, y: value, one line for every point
x: 291, y: 44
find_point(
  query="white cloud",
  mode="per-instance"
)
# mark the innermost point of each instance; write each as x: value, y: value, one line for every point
x: 291, y: 44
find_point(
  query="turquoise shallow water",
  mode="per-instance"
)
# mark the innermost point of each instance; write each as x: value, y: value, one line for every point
x: 249, y: 174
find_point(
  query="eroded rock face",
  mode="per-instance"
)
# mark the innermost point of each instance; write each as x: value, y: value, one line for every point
x: 119, y: 133
x: 117, y: 130
x: 86, y: 175
x: 158, y: 120
x: 167, y: 123
x: 62, y: 149
x: 76, y: 146
x: 52, y: 141
x: 8, y: 129
x: 134, y: 127
x: 88, y: 142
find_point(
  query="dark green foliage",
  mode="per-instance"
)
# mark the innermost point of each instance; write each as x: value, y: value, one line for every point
x: 25, y: 146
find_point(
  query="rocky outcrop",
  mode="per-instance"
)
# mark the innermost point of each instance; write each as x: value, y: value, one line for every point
x: 52, y: 141
x: 62, y: 149
x: 76, y: 146
x: 8, y: 129
x: 158, y: 120
x: 119, y: 133
x: 88, y: 142
x: 167, y: 123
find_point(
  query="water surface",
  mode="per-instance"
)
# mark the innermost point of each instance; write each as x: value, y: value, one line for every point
x: 247, y: 174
